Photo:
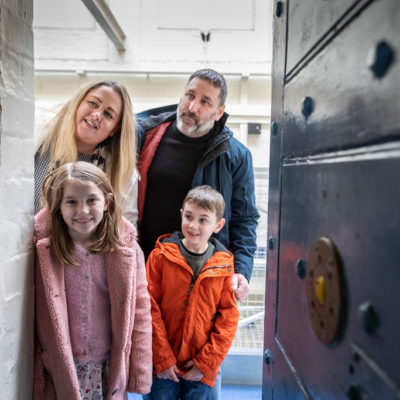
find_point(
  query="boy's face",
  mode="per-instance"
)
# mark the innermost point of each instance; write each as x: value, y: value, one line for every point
x: 198, y: 224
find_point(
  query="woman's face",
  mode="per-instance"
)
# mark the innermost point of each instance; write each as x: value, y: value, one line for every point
x: 97, y: 118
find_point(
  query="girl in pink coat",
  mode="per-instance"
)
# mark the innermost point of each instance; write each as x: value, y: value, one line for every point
x: 92, y: 310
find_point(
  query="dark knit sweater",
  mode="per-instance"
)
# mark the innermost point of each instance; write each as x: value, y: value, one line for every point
x: 169, y: 179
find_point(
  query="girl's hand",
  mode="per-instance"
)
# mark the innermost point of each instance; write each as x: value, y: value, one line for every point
x: 170, y: 373
x: 194, y: 374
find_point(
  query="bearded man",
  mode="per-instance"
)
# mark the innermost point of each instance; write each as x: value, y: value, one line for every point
x: 191, y: 146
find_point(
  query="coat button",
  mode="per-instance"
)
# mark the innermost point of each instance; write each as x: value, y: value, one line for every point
x: 211, y: 272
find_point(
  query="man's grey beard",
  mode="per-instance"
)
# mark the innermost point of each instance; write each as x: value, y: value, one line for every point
x: 194, y: 130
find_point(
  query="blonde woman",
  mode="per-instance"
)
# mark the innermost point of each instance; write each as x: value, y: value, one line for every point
x: 98, y: 126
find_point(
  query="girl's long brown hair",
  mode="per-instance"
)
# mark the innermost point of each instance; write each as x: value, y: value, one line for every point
x: 107, y: 234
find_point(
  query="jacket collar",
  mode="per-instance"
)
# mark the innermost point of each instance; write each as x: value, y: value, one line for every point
x: 169, y: 245
x: 154, y: 118
x: 218, y: 145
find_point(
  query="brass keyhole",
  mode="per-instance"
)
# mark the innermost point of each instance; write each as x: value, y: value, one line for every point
x: 325, y: 288
x: 320, y: 290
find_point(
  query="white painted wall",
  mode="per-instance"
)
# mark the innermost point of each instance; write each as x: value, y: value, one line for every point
x: 161, y: 35
x: 163, y: 46
x: 16, y: 199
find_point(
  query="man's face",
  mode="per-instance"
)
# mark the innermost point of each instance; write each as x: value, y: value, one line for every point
x: 199, y: 108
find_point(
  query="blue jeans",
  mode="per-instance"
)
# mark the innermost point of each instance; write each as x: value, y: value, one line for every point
x: 216, y: 389
x: 165, y: 389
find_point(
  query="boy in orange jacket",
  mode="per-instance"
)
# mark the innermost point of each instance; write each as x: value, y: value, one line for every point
x: 193, y: 309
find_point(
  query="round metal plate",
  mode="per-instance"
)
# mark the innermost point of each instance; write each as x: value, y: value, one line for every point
x: 324, y: 290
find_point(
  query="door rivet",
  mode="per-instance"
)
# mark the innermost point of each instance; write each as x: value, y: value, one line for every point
x: 356, y: 357
x: 279, y: 9
x: 369, y: 317
x: 301, y: 268
x: 307, y: 106
x: 268, y: 356
x: 380, y: 58
x: 354, y: 392
x: 271, y: 243
x: 274, y: 129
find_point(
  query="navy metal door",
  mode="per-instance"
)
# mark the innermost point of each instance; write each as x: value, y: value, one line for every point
x: 333, y: 268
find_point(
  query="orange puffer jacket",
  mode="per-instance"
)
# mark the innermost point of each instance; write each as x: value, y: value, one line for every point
x: 193, y: 319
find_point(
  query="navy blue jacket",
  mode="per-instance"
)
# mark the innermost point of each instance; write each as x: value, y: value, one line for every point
x: 227, y: 167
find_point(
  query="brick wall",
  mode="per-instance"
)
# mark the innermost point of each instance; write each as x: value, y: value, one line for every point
x: 16, y: 199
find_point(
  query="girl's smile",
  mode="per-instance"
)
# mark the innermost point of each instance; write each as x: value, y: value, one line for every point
x: 82, y: 209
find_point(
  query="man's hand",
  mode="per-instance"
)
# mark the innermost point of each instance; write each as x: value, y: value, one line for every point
x: 170, y: 373
x: 240, y: 286
x: 194, y: 374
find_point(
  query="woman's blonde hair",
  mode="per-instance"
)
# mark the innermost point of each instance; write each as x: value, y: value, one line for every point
x: 120, y: 147
x: 107, y: 235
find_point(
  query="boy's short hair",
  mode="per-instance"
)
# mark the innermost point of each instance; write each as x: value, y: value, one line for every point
x: 208, y: 198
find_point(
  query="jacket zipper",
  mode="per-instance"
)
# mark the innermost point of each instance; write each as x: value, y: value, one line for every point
x: 191, y: 285
x: 194, y: 278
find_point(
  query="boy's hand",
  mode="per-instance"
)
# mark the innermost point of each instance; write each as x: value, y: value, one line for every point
x: 170, y: 373
x: 240, y: 286
x: 194, y: 374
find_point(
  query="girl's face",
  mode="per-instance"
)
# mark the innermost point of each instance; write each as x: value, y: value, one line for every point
x: 82, y: 208
x: 97, y: 118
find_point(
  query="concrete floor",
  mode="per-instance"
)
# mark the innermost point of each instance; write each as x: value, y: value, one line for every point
x: 235, y: 392
x: 229, y: 392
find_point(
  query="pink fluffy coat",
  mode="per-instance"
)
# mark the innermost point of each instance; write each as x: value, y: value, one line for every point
x: 131, y: 355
